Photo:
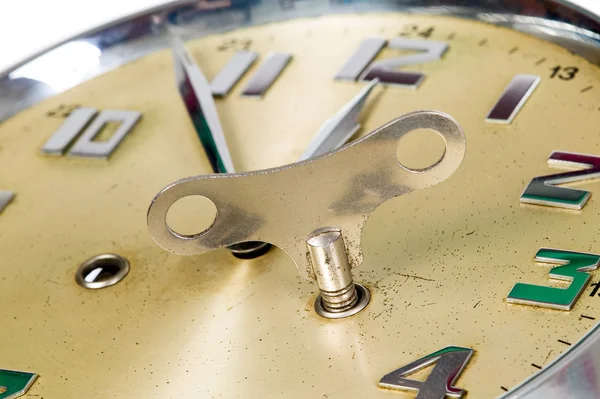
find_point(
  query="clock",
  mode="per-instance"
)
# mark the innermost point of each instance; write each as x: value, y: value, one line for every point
x: 241, y: 199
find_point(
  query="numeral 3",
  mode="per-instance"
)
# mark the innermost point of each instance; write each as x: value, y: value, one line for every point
x: 574, y: 266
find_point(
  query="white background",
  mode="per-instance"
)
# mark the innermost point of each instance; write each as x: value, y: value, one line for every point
x: 29, y: 26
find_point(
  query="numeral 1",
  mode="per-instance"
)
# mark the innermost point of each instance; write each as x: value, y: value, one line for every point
x: 267, y: 72
x: 5, y: 198
x: 14, y: 384
x: 232, y: 72
x: 574, y: 266
x: 448, y: 362
x: 512, y: 99
x: 543, y: 191
x: 386, y: 70
x: 82, y: 120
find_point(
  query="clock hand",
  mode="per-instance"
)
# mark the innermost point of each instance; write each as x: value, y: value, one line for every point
x: 197, y: 97
x: 338, y: 129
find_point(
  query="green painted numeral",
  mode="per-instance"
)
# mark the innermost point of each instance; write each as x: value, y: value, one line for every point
x: 573, y: 269
x: 14, y: 384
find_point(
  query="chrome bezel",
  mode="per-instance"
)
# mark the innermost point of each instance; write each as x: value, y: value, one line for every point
x: 126, y: 40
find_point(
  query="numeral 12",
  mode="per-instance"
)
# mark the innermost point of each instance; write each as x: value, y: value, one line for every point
x: 386, y: 70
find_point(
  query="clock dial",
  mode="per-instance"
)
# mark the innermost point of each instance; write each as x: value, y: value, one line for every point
x: 464, y: 274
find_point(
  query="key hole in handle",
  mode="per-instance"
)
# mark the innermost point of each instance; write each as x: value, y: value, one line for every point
x: 191, y: 213
x: 420, y: 150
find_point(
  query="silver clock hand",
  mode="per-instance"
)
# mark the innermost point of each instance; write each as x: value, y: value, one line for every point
x: 337, y: 130
x: 197, y: 97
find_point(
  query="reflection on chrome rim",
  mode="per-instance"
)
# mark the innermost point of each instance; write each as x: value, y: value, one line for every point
x: 105, y: 48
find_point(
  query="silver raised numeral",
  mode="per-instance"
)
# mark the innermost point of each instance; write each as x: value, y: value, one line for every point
x: 267, y: 72
x: 386, y: 70
x: 544, y: 190
x: 261, y: 80
x: 448, y: 363
x: 232, y: 72
x: 512, y: 99
x: 68, y: 131
x: 360, y: 60
x: 81, y: 123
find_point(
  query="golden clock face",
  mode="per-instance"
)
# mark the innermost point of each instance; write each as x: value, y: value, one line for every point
x: 442, y: 265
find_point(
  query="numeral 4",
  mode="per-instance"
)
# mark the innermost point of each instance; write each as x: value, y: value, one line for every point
x: 386, y: 70
x: 573, y: 269
x: 448, y: 363
x: 543, y: 191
